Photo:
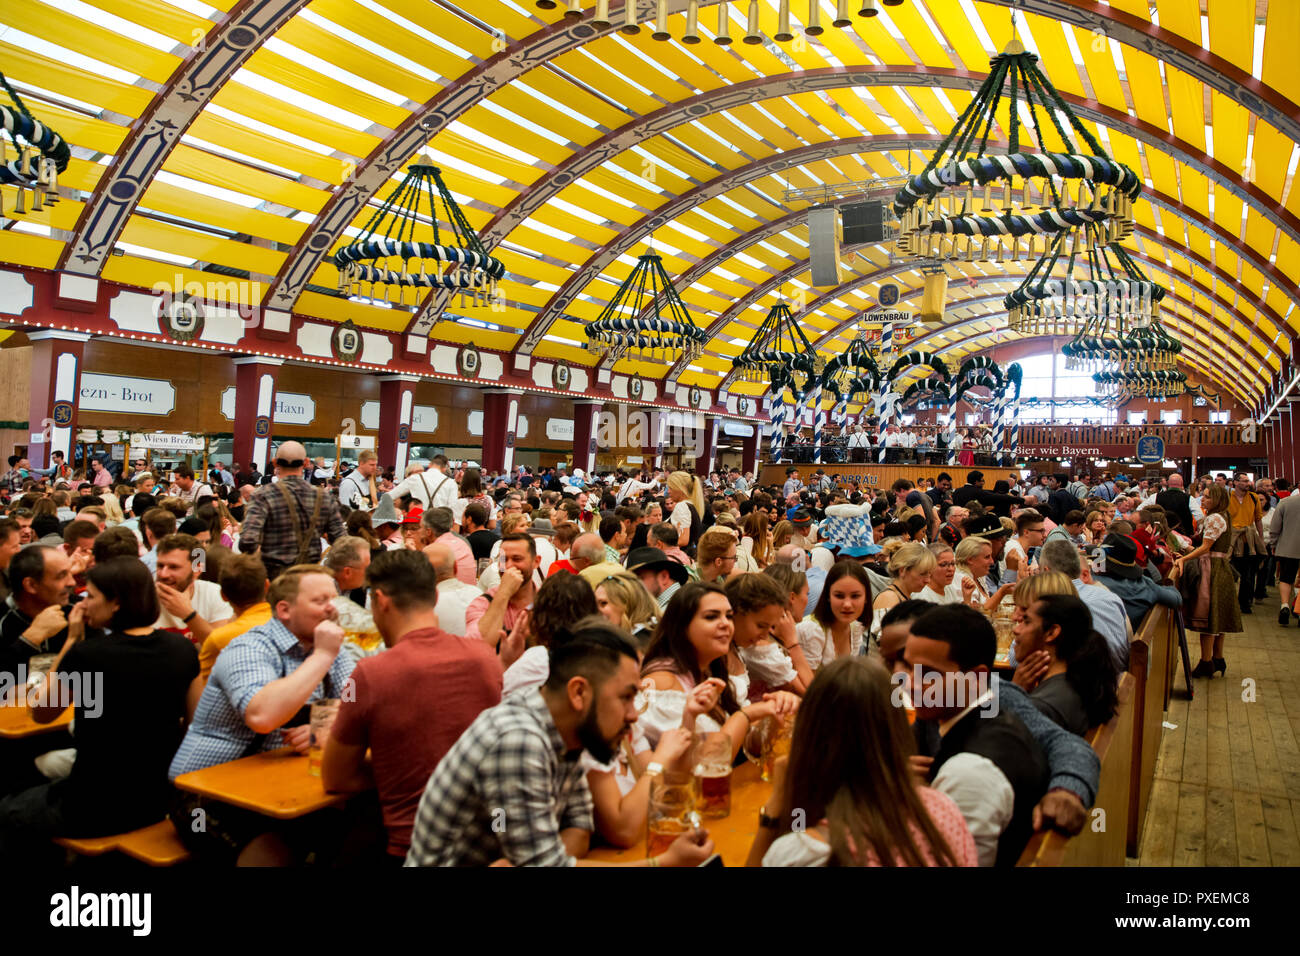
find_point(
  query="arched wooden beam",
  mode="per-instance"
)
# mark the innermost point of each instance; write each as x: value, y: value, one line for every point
x: 234, y: 38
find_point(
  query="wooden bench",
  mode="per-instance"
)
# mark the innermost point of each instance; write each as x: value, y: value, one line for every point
x: 1151, y: 653
x: 157, y: 845
x: 1103, y: 840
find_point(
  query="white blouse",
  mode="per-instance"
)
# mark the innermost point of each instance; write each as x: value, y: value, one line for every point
x: 768, y: 663
x: 665, y: 708
x: 680, y: 518
x: 819, y: 646
x: 948, y: 596
x: 619, y: 766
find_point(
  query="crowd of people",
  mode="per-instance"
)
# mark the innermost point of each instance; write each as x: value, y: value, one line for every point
x: 518, y: 658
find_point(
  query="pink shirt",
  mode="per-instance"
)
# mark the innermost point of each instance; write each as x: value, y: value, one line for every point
x: 466, y: 566
x: 479, y: 606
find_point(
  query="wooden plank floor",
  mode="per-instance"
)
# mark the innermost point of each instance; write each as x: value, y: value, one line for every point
x: 1227, y: 787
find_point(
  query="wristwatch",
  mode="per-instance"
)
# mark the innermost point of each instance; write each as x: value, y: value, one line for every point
x: 653, y: 769
x: 766, y: 822
x: 189, y: 617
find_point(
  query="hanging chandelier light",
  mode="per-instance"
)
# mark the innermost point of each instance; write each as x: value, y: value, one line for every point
x: 40, y: 155
x: 1149, y: 348
x: 813, y: 26
x: 974, y: 206
x: 1119, y: 387
x: 778, y: 351
x: 391, y: 246
x: 1112, y: 296
x: 646, y: 318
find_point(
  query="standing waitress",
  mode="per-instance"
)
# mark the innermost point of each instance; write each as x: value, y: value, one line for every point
x: 687, y: 500
x: 1205, y: 576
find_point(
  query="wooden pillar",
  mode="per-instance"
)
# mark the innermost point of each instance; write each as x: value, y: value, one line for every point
x: 500, y: 421
x: 396, y: 410
x: 707, y: 444
x: 255, y: 383
x: 55, y: 393
x: 586, y: 417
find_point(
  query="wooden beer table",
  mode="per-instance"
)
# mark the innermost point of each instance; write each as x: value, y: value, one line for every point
x: 16, y: 722
x: 275, y: 783
x: 732, y: 835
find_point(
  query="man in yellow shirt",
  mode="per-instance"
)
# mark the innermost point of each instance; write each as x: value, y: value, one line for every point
x: 243, y: 585
x: 1247, y: 514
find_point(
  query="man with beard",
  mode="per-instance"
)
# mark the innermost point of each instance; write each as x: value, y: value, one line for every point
x: 513, y: 786
x: 189, y: 606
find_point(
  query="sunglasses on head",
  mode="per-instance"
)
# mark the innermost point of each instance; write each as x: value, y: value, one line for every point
x: 283, y: 463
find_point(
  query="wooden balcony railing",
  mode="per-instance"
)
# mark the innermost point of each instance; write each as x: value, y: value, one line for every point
x: 1090, y: 435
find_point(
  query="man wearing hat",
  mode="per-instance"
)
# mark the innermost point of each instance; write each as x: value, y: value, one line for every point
x: 662, y: 576
x: 1115, y: 567
x: 805, y: 534
x: 385, y: 520
x: 792, y: 484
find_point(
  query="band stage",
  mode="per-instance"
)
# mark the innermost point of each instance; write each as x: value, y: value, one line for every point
x: 883, y: 476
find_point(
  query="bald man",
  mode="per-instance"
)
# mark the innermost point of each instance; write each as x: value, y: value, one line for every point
x: 588, y: 558
x: 454, y: 595
x: 287, y: 519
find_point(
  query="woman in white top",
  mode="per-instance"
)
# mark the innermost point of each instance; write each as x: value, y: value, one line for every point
x: 1030, y: 533
x: 940, y: 589
x: 698, y: 680
x: 974, y: 558
x: 765, y: 635
x: 841, y: 618
x: 623, y: 601
x: 471, y: 490
x: 684, y: 493
x: 910, y: 568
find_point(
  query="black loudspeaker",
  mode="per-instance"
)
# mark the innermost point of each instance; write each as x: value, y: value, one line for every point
x: 863, y: 222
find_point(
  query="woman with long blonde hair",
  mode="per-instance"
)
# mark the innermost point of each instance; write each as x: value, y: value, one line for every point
x: 686, y: 496
x: 623, y: 601
x: 781, y: 535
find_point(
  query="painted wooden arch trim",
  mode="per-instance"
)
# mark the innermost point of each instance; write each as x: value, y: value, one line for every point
x: 234, y: 38
x: 590, y: 158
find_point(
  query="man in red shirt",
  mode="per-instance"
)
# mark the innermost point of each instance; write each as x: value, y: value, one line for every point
x: 409, y: 704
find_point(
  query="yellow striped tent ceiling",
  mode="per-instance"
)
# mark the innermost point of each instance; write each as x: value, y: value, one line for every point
x: 573, y: 149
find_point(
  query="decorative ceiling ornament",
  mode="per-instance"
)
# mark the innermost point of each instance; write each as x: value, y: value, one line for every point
x: 41, y: 154
x: 390, y: 246
x: 976, y: 207
x: 813, y: 26
x: 1112, y: 296
x: 779, y: 350
x: 1121, y: 387
x: 646, y: 318
x: 1148, y: 348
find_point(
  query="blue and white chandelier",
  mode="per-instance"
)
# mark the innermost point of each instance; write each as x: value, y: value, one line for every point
x: 405, y: 246
x: 975, y: 206
x: 40, y: 155
x: 646, y: 318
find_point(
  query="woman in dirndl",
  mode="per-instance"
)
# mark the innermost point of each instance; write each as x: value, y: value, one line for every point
x: 1209, y: 583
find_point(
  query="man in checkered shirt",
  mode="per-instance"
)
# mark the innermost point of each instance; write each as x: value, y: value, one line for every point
x: 513, y: 787
x: 285, y: 533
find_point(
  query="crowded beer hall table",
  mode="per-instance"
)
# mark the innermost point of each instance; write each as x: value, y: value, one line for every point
x: 275, y: 783
x: 16, y: 722
x: 732, y: 835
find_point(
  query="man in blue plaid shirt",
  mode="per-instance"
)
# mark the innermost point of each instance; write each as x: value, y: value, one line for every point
x: 513, y: 788
x: 263, y: 681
